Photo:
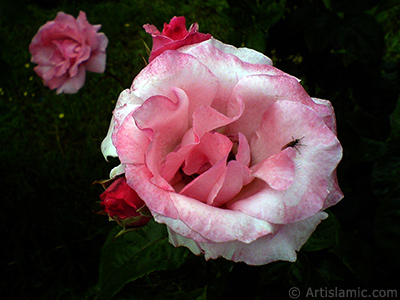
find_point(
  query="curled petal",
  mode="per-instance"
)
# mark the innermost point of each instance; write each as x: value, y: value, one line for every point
x: 318, y: 159
x: 277, y: 170
x: 207, y: 185
x: 158, y: 78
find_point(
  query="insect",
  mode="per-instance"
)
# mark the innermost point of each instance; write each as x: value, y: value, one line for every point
x: 294, y: 143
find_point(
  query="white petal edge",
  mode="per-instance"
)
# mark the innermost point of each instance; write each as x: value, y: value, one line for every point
x: 280, y: 247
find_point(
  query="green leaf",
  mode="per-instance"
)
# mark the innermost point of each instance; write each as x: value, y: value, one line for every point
x: 268, y: 13
x: 274, y: 274
x: 370, y: 150
x: 356, y: 256
x: 387, y: 4
x: 321, y: 31
x: 395, y: 122
x: 135, y: 254
x: 353, y: 6
x: 303, y: 273
x: 332, y: 269
x: 361, y: 37
x: 199, y: 294
x: 386, y: 177
x: 325, y: 236
x: 387, y: 230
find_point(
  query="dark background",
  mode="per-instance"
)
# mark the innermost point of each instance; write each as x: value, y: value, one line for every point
x: 344, y: 51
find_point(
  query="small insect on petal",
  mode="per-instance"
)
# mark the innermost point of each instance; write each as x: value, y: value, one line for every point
x: 294, y: 143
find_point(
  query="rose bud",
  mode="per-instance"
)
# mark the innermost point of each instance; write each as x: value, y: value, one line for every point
x: 123, y: 205
x: 174, y: 36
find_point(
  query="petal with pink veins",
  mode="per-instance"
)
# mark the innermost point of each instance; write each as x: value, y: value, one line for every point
x: 164, y: 131
x: 131, y: 143
x: 228, y: 68
x: 188, y: 74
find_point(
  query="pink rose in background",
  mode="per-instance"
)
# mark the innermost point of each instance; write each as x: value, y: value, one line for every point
x: 65, y: 49
x: 123, y: 205
x: 229, y: 152
x: 174, y: 36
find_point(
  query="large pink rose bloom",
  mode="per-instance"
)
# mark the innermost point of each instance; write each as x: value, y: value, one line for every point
x: 209, y: 137
x: 65, y: 49
x: 174, y: 36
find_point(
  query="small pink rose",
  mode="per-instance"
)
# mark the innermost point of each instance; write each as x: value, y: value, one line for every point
x: 228, y: 151
x: 65, y: 49
x: 123, y: 205
x: 174, y: 36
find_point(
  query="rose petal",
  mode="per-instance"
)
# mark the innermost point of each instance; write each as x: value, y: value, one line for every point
x: 244, y: 54
x: 165, y: 131
x: 131, y: 143
x: 177, y: 240
x: 334, y: 192
x: 126, y: 104
x: 325, y: 111
x: 277, y: 170
x: 216, y: 224
x: 269, y: 248
x: 319, y: 157
x: 207, y: 118
x: 83, y: 56
x: 157, y: 199
x: 176, y: 29
x: 212, y: 148
x: 243, y: 152
x: 151, y: 29
x: 212, y: 223
x: 173, y: 36
x: 258, y: 92
x: 45, y: 72
x: 227, y: 67
x: 73, y: 84
x: 236, y: 176
x: 97, y: 62
x: 207, y: 185
x: 158, y: 78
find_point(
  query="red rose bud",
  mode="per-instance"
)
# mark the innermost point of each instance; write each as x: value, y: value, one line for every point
x: 123, y: 205
x: 174, y: 36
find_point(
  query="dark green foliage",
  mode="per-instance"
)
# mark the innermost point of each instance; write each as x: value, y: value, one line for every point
x: 132, y: 255
x: 53, y: 241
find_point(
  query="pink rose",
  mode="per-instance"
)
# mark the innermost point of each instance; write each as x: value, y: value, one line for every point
x: 174, y: 36
x: 123, y: 205
x: 229, y: 152
x: 65, y: 49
